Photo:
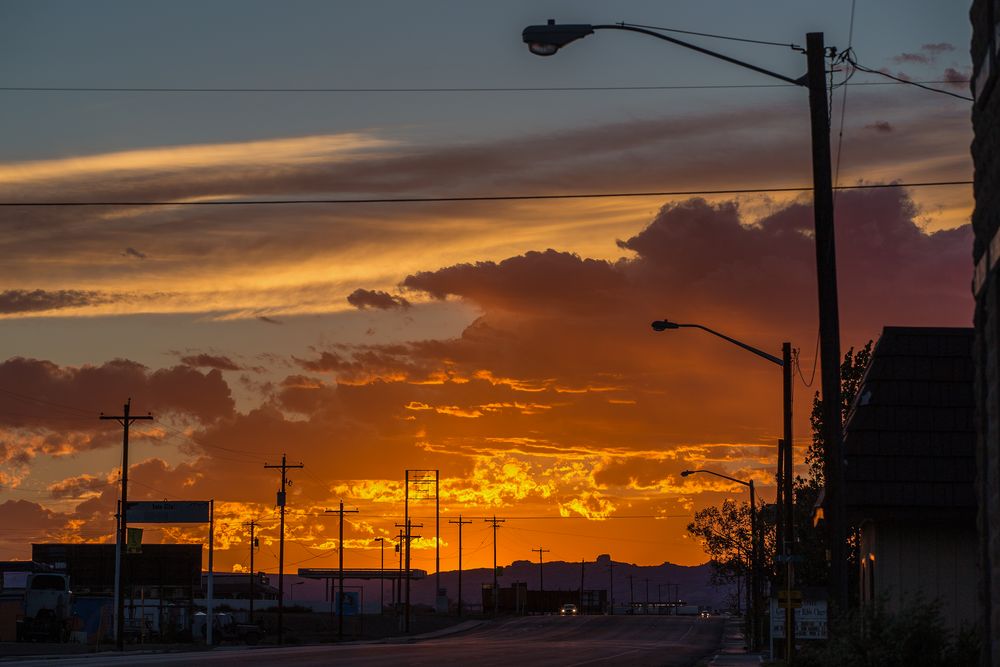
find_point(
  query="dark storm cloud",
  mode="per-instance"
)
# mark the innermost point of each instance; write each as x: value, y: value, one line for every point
x: 363, y: 298
x: 880, y: 126
x: 939, y: 47
x: 29, y: 301
x: 957, y: 78
x: 917, y: 58
x: 81, y: 393
x: 220, y: 362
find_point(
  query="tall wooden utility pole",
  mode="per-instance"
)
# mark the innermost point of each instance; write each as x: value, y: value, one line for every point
x: 541, y: 571
x: 460, y: 523
x: 340, y: 573
x: 829, y: 319
x: 397, y: 593
x: 381, y: 581
x: 126, y: 420
x: 253, y: 575
x: 496, y: 592
x: 285, y: 482
x: 408, y: 537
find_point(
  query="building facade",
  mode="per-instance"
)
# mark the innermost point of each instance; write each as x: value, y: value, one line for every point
x: 910, y: 448
x: 985, y: 18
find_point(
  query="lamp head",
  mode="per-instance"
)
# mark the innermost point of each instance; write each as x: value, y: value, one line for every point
x: 545, y: 40
x: 663, y: 325
x: 687, y: 472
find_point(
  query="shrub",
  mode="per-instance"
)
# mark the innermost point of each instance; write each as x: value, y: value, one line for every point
x: 913, y: 637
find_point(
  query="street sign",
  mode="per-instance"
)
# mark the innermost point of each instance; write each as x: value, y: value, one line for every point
x: 788, y: 599
x: 167, y: 511
x: 789, y: 558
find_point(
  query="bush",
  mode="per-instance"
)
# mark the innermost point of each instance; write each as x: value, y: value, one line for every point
x: 914, y: 637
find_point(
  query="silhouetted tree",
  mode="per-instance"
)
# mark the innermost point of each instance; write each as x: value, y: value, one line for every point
x: 812, y: 541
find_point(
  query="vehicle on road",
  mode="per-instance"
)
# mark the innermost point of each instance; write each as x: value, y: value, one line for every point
x: 568, y: 609
x: 47, y: 608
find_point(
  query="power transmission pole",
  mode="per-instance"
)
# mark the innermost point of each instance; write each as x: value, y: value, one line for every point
x: 829, y: 320
x: 285, y: 482
x: 437, y: 536
x: 340, y: 573
x: 460, y: 523
x: 407, y: 538
x: 496, y: 593
x: 381, y: 581
x: 126, y: 420
x: 397, y: 594
x: 541, y: 572
x: 253, y: 575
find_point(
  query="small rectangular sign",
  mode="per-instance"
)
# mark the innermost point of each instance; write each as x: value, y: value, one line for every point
x: 133, y: 540
x: 810, y: 620
x: 167, y: 511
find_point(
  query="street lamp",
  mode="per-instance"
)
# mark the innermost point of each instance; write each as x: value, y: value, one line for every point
x: 547, y: 39
x: 291, y: 589
x: 752, y: 588
x: 785, y: 502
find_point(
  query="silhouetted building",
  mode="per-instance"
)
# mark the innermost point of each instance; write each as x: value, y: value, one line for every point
x: 237, y: 586
x: 985, y: 17
x: 167, y: 571
x: 518, y: 599
x: 161, y: 585
x: 910, y: 444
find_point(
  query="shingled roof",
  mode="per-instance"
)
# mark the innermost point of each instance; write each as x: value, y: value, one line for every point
x: 909, y: 440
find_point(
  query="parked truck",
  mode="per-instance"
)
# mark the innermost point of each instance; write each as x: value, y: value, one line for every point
x: 47, y: 608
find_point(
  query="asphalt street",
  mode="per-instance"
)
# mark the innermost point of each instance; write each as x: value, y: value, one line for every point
x: 535, y: 641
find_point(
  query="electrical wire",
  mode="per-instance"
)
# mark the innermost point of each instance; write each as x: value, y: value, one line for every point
x: 498, y: 89
x: 708, y: 34
x: 474, y: 198
x: 24, y: 397
x: 798, y: 365
x: 843, y: 104
x: 851, y: 59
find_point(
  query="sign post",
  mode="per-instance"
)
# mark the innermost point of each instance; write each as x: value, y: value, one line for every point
x: 175, y: 511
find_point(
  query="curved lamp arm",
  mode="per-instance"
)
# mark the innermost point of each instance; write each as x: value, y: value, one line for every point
x: 545, y: 40
x: 662, y: 325
x: 687, y: 473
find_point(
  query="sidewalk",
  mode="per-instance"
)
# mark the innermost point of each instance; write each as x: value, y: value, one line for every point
x: 733, y: 650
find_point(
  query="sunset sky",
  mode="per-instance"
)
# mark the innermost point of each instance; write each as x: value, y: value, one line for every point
x: 505, y: 343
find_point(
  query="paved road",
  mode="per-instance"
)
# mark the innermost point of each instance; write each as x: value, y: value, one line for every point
x: 536, y: 641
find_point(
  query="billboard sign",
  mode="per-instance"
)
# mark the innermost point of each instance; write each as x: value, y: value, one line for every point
x: 168, y: 511
x: 351, y: 601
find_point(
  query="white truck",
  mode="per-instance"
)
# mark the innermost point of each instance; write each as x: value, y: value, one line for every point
x: 47, y: 608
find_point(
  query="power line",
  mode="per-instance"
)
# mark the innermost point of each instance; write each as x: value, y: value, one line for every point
x: 850, y: 58
x: 712, y: 35
x: 474, y: 198
x: 482, y: 89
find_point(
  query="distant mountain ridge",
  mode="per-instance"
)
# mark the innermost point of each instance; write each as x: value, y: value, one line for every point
x: 631, y: 582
